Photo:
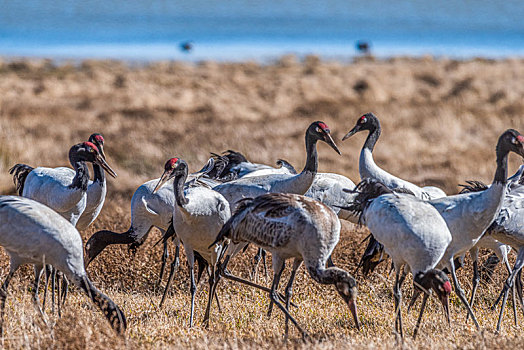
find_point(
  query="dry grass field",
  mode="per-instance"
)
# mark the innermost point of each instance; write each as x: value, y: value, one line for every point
x: 440, y: 119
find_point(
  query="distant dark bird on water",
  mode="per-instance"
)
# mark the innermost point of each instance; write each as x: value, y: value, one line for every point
x: 186, y: 46
x: 363, y: 46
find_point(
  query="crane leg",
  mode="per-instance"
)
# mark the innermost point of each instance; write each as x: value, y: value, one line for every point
x: 517, y: 286
x: 398, y: 300
x: 261, y: 255
x: 424, y: 300
x: 53, y: 288
x: 509, y: 283
x: 36, y: 285
x: 289, y: 292
x: 174, y: 267
x: 276, y: 300
x: 212, y: 286
x: 226, y: 274
x: 3, y: 293
x: 476, y: 279
x: 65, y: 288
x: 165, y: 256
x: 461, y: 295
x: 48, y: 270
x: 193, y: 287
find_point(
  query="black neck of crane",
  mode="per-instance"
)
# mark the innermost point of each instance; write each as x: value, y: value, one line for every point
x: 178, y: 185
x: 81, y: 179
x: 99, y: 175
x: 374, y: 134
x: 311, y: 154
x: 501, y: 173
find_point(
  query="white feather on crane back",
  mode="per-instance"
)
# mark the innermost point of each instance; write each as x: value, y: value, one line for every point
x: 468, y: 216
x: 411, y: 230
x: 33, y: 233
x: 328, y: 189
x: 50, y: 187
x: 252, y: 187
x: 198, y: 222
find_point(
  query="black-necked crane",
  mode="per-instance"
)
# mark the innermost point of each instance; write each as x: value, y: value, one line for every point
x: 96, y: 189
x: 251, y: 187
x: 369, y: 169
x: 508, y: 228
x: 148, y: 210
x: 291, y: 226
x: 62, y: 189
x: 198, y: 216
x: 32, y: 233
x: 413, y: 234
x: 468, y: 215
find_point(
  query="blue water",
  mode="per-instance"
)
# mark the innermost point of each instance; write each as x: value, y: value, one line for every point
x: 260, y: 30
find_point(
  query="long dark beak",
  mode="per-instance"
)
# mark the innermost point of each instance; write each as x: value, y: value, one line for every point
x: 101, y: 150
x: 353, y: 308
x: 329, y: 140
x: 351, y: 132
x: 102, y: 162
x: 445, y: 303
x: 163, y: 179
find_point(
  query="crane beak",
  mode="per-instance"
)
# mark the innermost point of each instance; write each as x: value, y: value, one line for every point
x: 445, y: 303
x: 351, y: 132
x: 329, y: 140
x: 101, y: 150
x: 353, y: 308
x: 163, y: 179
x: 101, y: 161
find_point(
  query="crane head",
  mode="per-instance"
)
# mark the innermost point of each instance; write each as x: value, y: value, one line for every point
x: 435, y: 280
x: 367, y: 121
x: 513, y: 141
x: 347, y: 288
x: 88, y: 152
x: 320, y: 131
x: 98, y: 140
x: 171, y: 169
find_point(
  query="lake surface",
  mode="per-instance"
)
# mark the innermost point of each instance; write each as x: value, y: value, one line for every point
x: 260, y: 30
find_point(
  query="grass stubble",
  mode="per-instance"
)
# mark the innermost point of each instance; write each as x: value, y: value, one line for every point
x: 440, y: 118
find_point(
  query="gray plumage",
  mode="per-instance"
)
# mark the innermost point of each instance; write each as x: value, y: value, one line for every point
x: 32, y: 233
x: 292, y: 226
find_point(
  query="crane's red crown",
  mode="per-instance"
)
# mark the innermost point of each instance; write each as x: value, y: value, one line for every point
x: 90, y: 144
x: 324, y: 126
x: 99, y: 138
x: 170, y: 164
x: 447, y: 287
x: 520, y: 138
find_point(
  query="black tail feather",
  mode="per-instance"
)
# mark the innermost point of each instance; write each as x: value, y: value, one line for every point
x: 284, y: 163
x: 367, y: 190
x: 20, y: 172
x: 473, y: 186
x: 372, y: 257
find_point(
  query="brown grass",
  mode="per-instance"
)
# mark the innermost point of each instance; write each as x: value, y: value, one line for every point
x: 440, y: 118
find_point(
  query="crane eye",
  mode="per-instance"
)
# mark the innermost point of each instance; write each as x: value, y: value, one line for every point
x: 318, y: 129
x: 515, y: 141
x: 363, y: 120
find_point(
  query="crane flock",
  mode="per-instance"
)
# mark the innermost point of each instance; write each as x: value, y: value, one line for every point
x: 232, y: 202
